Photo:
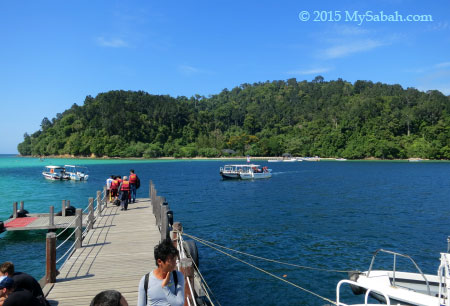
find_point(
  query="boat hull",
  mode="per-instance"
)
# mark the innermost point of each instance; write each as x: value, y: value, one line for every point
x: 409, y: 288
x: 230, y: 176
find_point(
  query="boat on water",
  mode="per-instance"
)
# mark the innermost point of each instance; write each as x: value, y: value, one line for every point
x: 55, y: 173
x: 367, y: 290
x: 415, y: 160
x: 77, y: 173
x: 406, y: 288
x: 245, y: 172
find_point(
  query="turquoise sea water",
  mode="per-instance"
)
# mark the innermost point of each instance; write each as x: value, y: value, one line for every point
x: 330, y: 215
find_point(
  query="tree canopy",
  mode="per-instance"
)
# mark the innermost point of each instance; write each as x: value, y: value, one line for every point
x: 327, y: 119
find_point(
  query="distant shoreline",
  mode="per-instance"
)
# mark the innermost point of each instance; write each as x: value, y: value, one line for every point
x: 207, y: 158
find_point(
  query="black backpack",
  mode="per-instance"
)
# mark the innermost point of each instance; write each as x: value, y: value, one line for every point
x: 138, y: 182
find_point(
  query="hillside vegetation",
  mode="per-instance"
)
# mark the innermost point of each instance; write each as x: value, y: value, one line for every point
x: 327, y: 119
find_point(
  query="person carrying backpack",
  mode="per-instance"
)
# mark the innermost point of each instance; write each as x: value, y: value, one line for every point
x: 164, y: 285
x: 135, y: 183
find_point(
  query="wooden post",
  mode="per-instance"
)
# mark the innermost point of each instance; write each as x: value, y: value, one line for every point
x: 63, y: 208
x: 50, y: 258
x: 51, y: 216
x: 99, y: 203
x: 68, y: 203
x: 150, y: 190
x: 105, y: 200
x: 177, y: 229
x: 165, y: 231
x: 22, y: 205
x: 79, y: 228
x: 153, y: 200
x: 186, y: 267
x: 14, y: 210
x: 91, y: 214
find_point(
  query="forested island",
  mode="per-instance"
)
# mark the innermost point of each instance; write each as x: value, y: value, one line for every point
x: 317, y: 118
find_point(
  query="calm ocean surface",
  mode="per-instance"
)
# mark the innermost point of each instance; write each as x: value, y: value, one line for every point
x: 330, y: 215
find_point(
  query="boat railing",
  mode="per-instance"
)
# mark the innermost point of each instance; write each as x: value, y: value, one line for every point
x: 394, y: 266
x: 366, y: 298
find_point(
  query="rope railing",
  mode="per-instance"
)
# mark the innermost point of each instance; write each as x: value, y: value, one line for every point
x: 211, y: 245
x: 208, y: 289
x: 94, y: 209
x: 62, y: 243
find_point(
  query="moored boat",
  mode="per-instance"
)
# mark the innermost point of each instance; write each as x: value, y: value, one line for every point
x: 76, y: 173
x: 245, y: 172
x: 55, y: 173
x: 368, y: 292
x: 417, y: 289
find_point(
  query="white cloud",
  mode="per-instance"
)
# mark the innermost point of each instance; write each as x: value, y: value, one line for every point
x: 310, y: 71
x: 348, y: 48
x: 111, y: 42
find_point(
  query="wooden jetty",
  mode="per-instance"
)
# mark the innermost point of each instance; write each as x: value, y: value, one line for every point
x: 47, y: 221
x: 115, y: 255
x: 115, y: 251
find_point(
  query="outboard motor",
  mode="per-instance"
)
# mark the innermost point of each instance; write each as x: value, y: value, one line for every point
x: 2, y: 227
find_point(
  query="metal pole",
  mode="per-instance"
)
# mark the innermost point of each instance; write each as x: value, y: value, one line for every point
x: 186, y: 267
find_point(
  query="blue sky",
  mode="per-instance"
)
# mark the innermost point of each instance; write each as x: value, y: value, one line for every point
x: 55, y: 53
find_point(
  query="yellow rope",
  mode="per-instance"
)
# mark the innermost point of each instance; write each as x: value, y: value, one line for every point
x: 259, y: 269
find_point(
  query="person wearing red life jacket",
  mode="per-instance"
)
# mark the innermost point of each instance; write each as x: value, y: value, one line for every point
x: 114, y: 188
x: 133, y: 185
x: 124, y: 192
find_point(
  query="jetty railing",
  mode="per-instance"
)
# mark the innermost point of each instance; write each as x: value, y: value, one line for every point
x: 195, y: 292
x: 88, y: 217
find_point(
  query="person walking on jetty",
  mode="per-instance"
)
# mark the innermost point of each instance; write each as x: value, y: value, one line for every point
x: 108, y: 187
x: 163, y: 286
x: 133, y: 185
x: 11, y: 296
x: 124, y: 193
x: 23, y: 281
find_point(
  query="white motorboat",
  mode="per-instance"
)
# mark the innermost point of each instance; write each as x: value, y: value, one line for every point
x: 77, y: 173
x: 275, y: 160
x: 368, y: 292
x: 245, y: 172
x: 417, y: 289
x: 55, y: 173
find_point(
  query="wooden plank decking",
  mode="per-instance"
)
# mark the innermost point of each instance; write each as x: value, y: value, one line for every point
x: 115, y: 255
x: 42, y: 222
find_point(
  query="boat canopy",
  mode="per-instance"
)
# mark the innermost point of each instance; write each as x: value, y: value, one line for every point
x: 54, y: 167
